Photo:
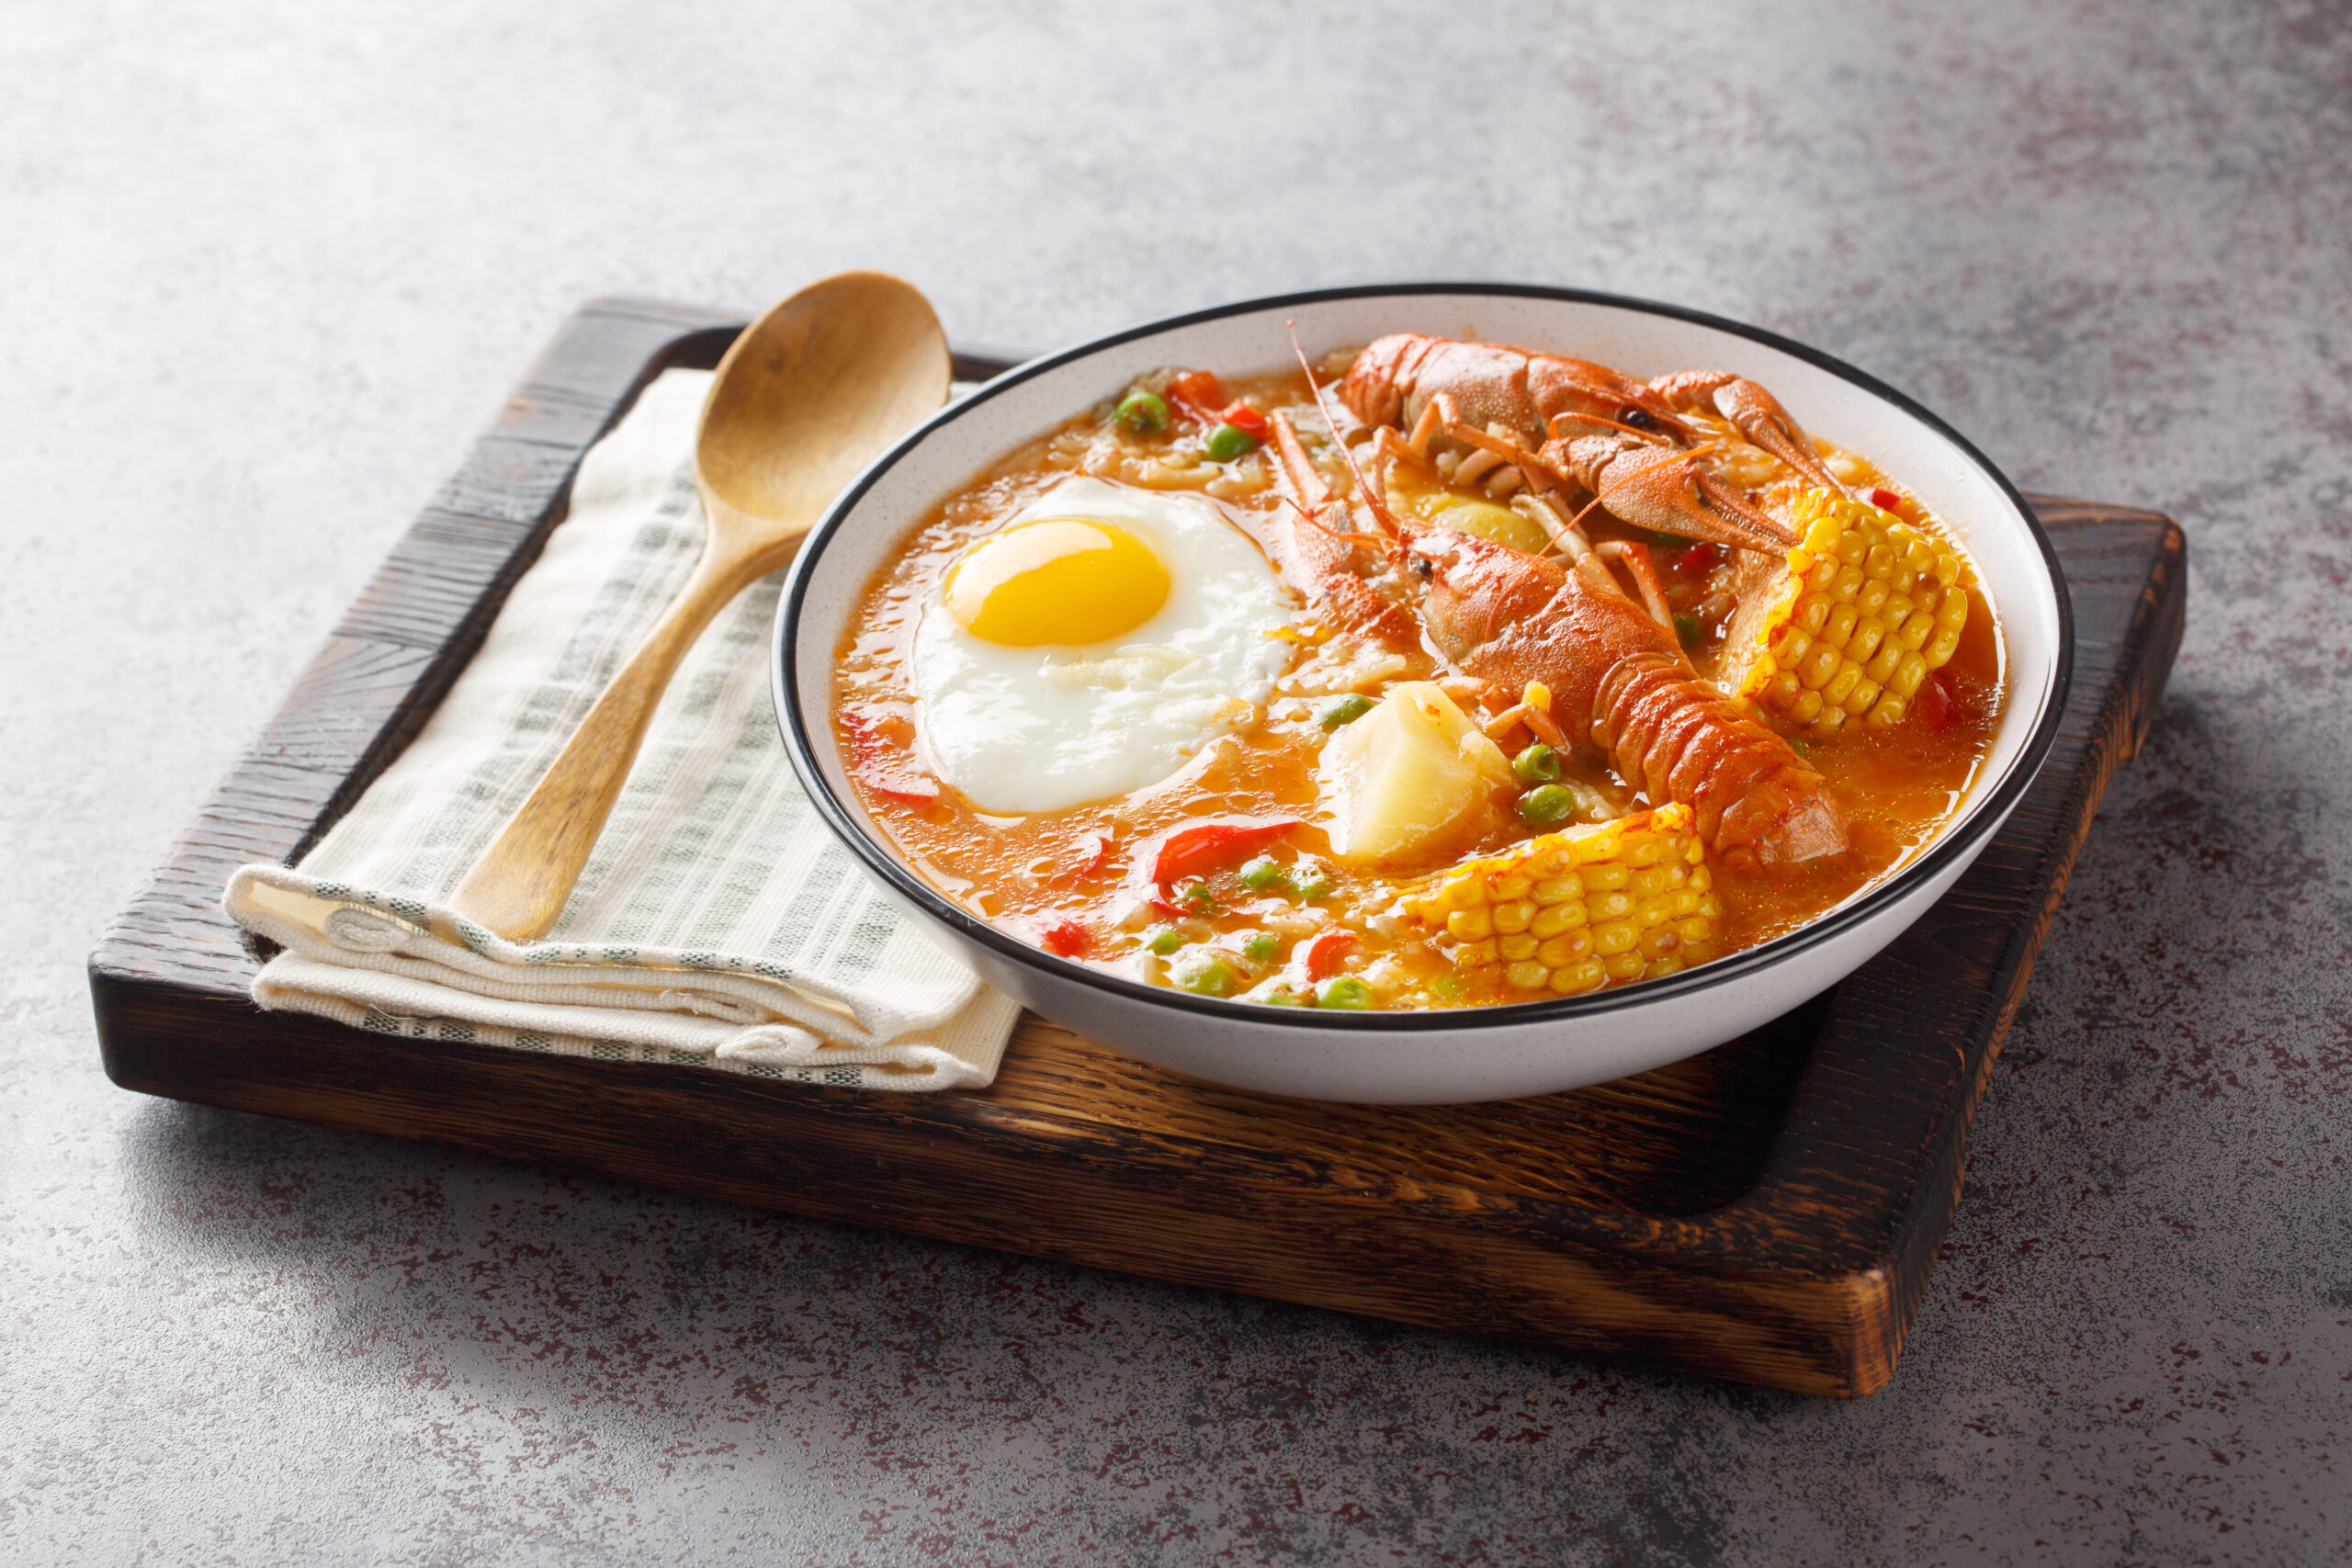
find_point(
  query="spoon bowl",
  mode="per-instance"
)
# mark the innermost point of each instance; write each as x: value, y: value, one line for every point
x: 808, y: 394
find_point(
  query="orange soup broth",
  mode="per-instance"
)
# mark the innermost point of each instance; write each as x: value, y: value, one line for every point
x: 1068, y: 875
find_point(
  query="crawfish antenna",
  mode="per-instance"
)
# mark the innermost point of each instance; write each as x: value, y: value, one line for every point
x: 1378, y: 504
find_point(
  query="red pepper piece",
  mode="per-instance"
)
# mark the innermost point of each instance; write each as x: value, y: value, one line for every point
x: 1324, y: 951
x: 1198, y: 393
x: 1066, y: 939
x: 1245, y: 419
x: 881, y: 767
x: 1887, y: 501
x: 1935, y: 706
x: 1699, y: 560
x: 1199, y: 847
x: 1087, y: 853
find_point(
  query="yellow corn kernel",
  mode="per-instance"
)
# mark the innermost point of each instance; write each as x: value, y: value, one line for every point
x: 1658, y: 969
x: 1602, y: 846
x: 1907, y: 676
x: 1470, y: 925
x: 1866, y: 595
x: 1820, y: 665
x: 1639, y: 897
x: 1551, y: 921
x: 1568, y: 949
x: 1869, y: 632
x: 1614, y: 937
x: 1578, y: 978
x: 1605, y: 879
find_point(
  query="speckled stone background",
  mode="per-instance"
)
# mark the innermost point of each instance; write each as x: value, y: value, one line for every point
x: 264, y: 266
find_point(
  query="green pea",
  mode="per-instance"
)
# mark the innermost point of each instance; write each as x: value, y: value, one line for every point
x: 1538, y: 764
x: 1445, y: 988
x: 1261, y: 946
x: 1801, y: 747
x: 1227, y: 442
x: 1162, y: 939
x: 1547, y: 806
x: 1142, y: 412
x: 1689, y: 627
x: 1203, y: 974
x: 1261, y: 874
x: 1345, y: 992
x: 1279, y: 994
x: 1344, y: 710
x: 1198, y: 898
x: 1310, y: 883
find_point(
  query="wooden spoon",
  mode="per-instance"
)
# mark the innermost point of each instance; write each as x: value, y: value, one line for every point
x: 807, y: 396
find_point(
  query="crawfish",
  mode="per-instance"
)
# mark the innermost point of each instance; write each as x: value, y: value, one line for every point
x: 1505, y: 618
x: 1586, y: 426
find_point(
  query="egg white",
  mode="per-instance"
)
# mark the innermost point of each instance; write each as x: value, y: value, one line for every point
x: 1028, y: 729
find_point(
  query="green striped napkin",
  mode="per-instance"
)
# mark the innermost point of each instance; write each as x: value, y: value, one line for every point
x: 718, y: 924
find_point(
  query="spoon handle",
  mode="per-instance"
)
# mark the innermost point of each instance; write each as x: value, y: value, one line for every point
x: 522, y: 882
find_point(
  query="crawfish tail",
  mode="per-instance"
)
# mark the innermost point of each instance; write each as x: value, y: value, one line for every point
x: 1678, y: 739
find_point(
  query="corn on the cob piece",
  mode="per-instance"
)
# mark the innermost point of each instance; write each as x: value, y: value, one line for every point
x: 1574, y: 911
x: 1870, y: 607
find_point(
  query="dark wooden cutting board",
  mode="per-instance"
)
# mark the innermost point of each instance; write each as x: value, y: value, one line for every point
x: 1767, y: 1212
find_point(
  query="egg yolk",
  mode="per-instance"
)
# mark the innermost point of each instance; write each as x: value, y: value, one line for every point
x: 1055, y: 580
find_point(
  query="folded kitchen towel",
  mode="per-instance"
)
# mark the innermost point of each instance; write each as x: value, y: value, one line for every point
x: 718, y: 924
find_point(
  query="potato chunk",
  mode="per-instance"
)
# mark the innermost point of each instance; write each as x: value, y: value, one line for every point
x: 1407, y: 776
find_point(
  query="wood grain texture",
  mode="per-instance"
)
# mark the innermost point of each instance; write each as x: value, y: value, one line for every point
x: 1767, y: 1212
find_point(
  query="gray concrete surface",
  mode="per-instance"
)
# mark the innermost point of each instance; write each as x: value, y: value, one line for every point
x: 263, y: 268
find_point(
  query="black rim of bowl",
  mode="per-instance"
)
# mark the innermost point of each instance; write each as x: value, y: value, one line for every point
x: 1977, y: 824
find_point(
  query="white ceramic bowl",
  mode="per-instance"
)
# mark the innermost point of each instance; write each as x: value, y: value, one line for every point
x: 1468, y: 1053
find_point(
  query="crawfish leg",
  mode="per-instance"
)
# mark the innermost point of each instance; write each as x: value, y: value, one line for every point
x: 1665, y: 489
x: 1326, y: 564
x: 1755, y: 413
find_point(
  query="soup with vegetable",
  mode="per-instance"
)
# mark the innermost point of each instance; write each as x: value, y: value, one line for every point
x: 1441, y: 675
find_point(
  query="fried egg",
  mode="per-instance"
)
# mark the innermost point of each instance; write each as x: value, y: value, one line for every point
x: 1092, y: 645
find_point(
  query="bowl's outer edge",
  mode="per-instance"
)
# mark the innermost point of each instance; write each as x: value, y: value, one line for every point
x: 1941, y: 862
